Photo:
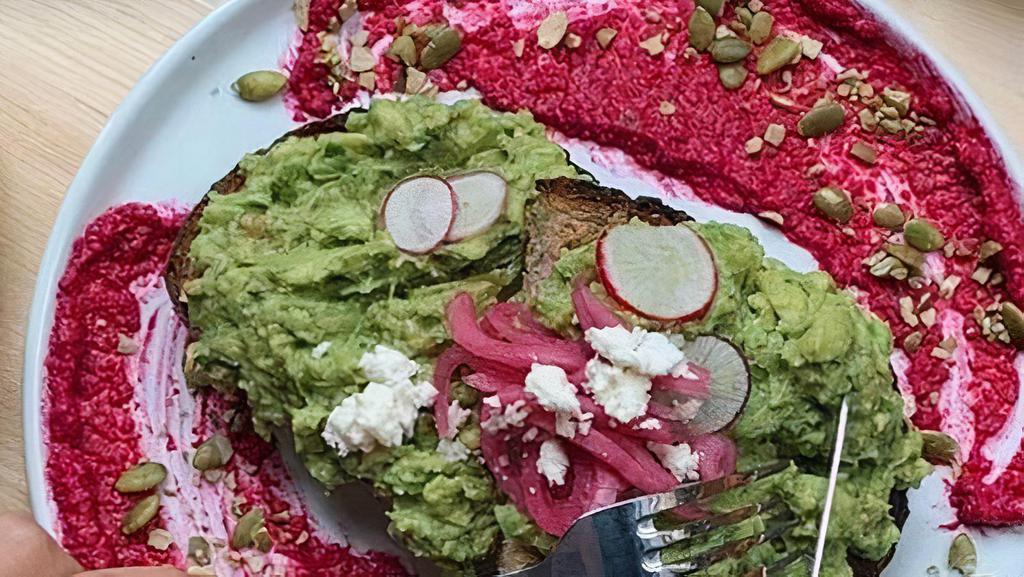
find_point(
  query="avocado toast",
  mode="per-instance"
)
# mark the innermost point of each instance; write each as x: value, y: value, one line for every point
x: 287, y: 282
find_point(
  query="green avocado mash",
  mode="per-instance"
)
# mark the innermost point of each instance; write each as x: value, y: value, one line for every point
x: 295, y: 259
x: 808, y: 345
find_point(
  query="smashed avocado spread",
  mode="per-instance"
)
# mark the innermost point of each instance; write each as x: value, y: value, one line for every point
x: 808, y: 345
x: 297, y: 281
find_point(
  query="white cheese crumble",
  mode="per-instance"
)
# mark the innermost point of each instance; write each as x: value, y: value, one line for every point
x: 624, y: 394
x: 513, y: 415
x: 386, y: 365
x: 686, y: 410
x: 383, y: 413
x: 568, y: 425
x: 678, y: 459
x: 553, y: 462
x: 457, y: 416
x: 552, y: 388
x: 650, y: 353
x: 530, y: 434
x: 320, y: 350
x: 452, y: 451
x: 651, y: 424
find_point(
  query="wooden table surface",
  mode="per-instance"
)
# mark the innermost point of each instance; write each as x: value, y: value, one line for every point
x: 66, y: 64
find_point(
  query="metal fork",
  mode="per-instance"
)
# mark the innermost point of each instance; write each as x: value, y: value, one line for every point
x: 621, y: 540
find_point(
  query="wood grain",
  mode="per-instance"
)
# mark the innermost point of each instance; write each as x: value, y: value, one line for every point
x: 66, y: 64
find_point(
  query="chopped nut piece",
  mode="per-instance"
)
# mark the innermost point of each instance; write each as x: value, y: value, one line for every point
x: 518, y: 46
x: 415, y: 80
x: 1013, y: 319
x: 775, y: 134
x: 552, y: 29
x: 811, y: 47
x: 988, y: 249
x: 940, y: 353
x: 368, y: 80
x: 844, y: 90
x: 886, y: 266
x: 897, y: 99
x: 573, y: 40
x: 755, y: 5
x: 359, y: 38
x: 653, y: 45
x: 360, y: 59
x: 347, y: 9
x: 997, y: 279
x: 861, y: 151
x: 754, y: 145
x: 907, y: 311
x: 948, y: 286
x: 301, y: 10
x: 772, y: 216
x: 981, y: 274
x: 865, y: 90
x: 160, y: 539
x: 927, y: 317
x: 910, y: 256
x: 126, y: 345
x: 912, y: 342
x: 666, y: 108
x: 606, y: 35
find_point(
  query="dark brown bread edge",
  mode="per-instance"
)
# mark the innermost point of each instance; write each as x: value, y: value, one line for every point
x: 567, y: 213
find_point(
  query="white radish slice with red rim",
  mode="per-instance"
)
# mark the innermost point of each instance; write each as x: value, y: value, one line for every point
x: 418, y: 213
x: 730, y: 383
x: 659, y: 272
x: 480, y: 198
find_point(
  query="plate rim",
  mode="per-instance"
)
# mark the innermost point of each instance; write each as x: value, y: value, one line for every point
x: 59, y: 242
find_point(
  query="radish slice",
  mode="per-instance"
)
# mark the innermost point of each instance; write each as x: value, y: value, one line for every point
x: 480, y: 197
x: 717, y: 456
x: 444, y: 371
x: 729, y: 386
x: 418, y: 213
x: 659, y: 272
x: 590, y: 311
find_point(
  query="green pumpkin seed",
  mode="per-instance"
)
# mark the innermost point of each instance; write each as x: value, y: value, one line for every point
x: 470, y: 437
x: 702, y: 29
x: 732, y: 76
x: 779, y: 52
x: 745, y: 16
x: 404, y: 49
x: 760, y: 27
x: 963, y: 555
x: 821, y: 120
x: 1013, y: 320
x: 909, y: 256
x: 940, y: 448
x: 246, y: 528
x: 714, y: 7
x: 140, y: 478
x: 834, y: 203
x: 729, y: 49
x: 923, y: 235
x: 888, y: 215
x: 213, y: 454
x: 140, y: 514
x: 444, y: 43
x: 259, y: 85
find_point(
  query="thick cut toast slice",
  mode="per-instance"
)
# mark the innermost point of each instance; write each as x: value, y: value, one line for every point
x: 567, y: 213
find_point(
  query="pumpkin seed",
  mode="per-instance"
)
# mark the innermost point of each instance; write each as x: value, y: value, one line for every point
x: 732, y: 76
x: 714, y: 7
x: 910, y: 256
x: 142, y: 477
x: 821, y: 120
x: 888, y: 215
x: 923, y: 235
x: 963, y: 555
x: 886, y: 266
x: 779, y: 52
x: 701, y: 28
x: 913, y: 341
x: 213, y: 454
x: 745, y: 16
x: 140, y: 514
x: 988, y: 249
x: 729, y: 49
x: 404, y: 49
x: 246, y: 528
x: 259, y: 85
x: 834, y: 203
x: 444, y: 43
x: 940, y: 447
x: 552, y: 29
x: 261, y: 539
x: 470, y: 437
x: 1013, y: 320
x: 760, y: 27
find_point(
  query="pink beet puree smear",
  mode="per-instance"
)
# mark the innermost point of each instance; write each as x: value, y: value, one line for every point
x: 104, y: 410
x: 950, y: 174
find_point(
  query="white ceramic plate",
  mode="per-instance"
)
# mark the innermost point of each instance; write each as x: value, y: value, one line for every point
x: 181, y: 129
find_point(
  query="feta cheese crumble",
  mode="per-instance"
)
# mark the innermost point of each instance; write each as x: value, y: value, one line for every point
x: 320, y: 350
x: 651, y: 424
x: 649, y: 353
x: 452, y: 451
x: 386, y: 365
x: 384, y: 412
x: 624, y: 394
x: 678, y: 459
x: 457, y: 416
x: 513, y: 415
x: 553, y: 462
x: 552, y: 388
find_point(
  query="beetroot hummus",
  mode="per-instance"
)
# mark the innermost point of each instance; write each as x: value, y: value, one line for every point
x: 115, y: 396
x: 665, y: 106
